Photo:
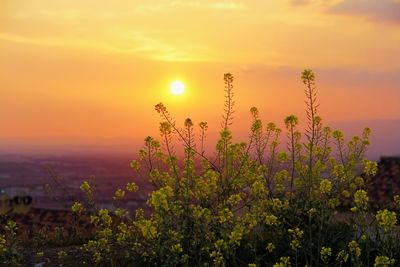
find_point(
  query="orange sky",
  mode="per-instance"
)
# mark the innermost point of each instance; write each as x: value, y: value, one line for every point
x: 91, y: 71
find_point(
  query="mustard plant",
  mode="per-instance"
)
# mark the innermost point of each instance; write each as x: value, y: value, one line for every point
x: 250, y: 203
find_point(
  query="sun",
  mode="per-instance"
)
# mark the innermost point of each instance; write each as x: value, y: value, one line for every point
x: 177, y: 88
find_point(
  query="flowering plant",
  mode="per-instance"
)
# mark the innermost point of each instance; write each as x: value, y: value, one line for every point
x: 251, y: 204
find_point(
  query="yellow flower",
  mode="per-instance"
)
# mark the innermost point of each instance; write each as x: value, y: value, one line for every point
x: 333, y: 203
x: 345, y: 193
x: 160, y: 199
x: 220, y: 245
x: 338, y: 135
x: 132, y: 187
x: 148, y: 230
x: 307, y: 76
x: 383, y: 261
x: 236, y: 235
x: 326, y: 253
x: 296, y: 234
x: 342, y: 256
x: 295, y: 244
x: 282, y: 158
x: 370, y: 167
x: 97, y: 257
x: 354, y: 248
x: 77, y: 208
x: 119, y: 194
x: 271, y: 219
x: 359, y: 181
x: 291, y: 121
x: 258, y: 189
x: 225, y: 215
x: 284, y: 262
x: 104, y: 217
x: 121, y: 213
x: 11, y: 226
x: 325, y: 186
x: 177, y: 248
x: 234, y: 199
x: 134, y: 165
x: 277, y: 204
x: 270, y: 247
x: 3, y: 244
x: 85, y: 187
x: 123, y: 232
x: 218, y: 258
x: 361, y: 198
x: 386, y: 219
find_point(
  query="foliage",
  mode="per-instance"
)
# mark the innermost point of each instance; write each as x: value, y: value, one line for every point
x: 251, y: 204
x: 9, y: 254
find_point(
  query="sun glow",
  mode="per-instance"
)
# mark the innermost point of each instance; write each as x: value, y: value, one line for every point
x: 177, y: 88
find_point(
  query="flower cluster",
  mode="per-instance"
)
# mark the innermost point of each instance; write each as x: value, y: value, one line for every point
x: 325, y: 186
x: 85, y: 187
x: 325, y: 253
x: 77, y: 207
x: 284, y: 262
x: 386, y: 219
x: 132, y: 187
x: 119, y: 194
x: 296, y: 235
x: 361, y: 199
x: 354, y: 248
x: 383, y: 261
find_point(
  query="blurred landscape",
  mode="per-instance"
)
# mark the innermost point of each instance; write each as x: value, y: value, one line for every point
x: 53, y: 181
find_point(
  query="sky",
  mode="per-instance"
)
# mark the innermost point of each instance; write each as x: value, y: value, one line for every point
x: 80, y: 75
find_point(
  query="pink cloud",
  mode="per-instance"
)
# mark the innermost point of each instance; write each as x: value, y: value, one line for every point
x: 381, y: 11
